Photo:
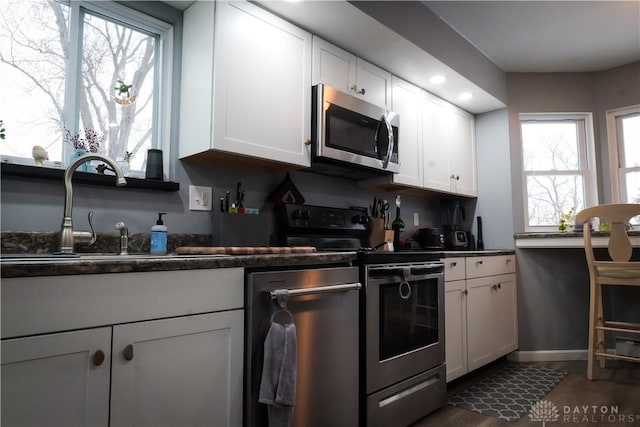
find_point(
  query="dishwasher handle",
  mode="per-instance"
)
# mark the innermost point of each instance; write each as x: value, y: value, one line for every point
x: 316, y: 290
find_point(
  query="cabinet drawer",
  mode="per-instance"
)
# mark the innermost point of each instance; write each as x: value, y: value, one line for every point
x: 454, y: 269
x: 489, y: 265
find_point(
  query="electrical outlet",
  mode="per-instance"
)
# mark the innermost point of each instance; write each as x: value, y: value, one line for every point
x: 416, y: 219
x: 199, y: 198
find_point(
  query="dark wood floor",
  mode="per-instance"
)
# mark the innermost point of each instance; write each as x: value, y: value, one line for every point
x: 618, y: 385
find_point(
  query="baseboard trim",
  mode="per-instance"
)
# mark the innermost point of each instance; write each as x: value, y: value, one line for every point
x: 547, y: 355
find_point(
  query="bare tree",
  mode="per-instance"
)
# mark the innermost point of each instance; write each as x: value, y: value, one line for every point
x: 108, y: 48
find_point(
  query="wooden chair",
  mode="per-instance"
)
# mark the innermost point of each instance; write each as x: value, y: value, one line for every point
x: 618, y: 271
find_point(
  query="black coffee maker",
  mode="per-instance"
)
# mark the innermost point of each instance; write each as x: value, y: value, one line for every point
x: 455, y: 237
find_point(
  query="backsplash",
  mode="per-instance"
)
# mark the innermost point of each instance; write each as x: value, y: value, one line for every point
x: 45, y: 242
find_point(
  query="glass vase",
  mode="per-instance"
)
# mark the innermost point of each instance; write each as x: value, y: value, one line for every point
x: 79, y: 152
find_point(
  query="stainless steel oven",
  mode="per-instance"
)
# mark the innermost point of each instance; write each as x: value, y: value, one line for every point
x: 404, y: 341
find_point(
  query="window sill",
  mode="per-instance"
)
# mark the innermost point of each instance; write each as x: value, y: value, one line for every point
x: 86, y: 177
x: 570, y: 239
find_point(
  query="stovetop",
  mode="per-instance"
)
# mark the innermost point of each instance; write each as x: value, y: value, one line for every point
x: 337, y: 229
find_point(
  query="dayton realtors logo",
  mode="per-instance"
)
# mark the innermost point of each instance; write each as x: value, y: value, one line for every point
x: 546, y: 411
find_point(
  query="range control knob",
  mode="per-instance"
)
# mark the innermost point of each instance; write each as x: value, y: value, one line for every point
x: 296, y: 215
x: 305, y: 215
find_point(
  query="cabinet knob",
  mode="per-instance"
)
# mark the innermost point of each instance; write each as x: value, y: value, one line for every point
x: 457, y: 177
x: 307, y: 141
x: 453, y: 264
x: 128, y: 352
x: 480, y: 262
x: 465, y: 292
x: 98, y: 357
x: 355, y: 89
x: 494, y: 287
x: 499, y: 286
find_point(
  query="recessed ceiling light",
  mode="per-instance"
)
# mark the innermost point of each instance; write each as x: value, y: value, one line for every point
x: 465, y: 96
x: 438, y: 79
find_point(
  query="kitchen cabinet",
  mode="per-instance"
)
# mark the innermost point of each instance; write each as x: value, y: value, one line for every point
x: 449, y: 154
x: 480, y: 311
x: 348, y: 73
x: 57, y: 379
x: 246, y: 78
x: 406, y: 101
x: 156, y: 348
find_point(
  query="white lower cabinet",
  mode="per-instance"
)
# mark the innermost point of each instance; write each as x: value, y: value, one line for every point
x: 183, y: 370
x: 57, y: 379
x: 481, y: 322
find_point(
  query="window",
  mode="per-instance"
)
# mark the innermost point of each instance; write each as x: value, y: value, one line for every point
x: 81, y: 72
x: 623, y: 129
x: 558, y: 167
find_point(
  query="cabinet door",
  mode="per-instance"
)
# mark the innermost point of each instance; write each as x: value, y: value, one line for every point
x: 262, y: 80
x: 436, y: 142
x: 455, y: 302
x: 56, y: 380
x: 333, y: 66
x: 505, y: 315
x: 374, y: 84
x: 480, y: 323
x: 184, y: 371
x: 406, y: 102
x: 462, y: 155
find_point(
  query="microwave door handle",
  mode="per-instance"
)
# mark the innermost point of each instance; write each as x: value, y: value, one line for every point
x: 384, y: 119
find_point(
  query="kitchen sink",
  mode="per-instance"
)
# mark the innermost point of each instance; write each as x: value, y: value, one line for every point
x: 54, y: 257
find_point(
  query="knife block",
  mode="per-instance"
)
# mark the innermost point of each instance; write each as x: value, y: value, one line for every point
x: 379, y: 235
x: 231, y: 229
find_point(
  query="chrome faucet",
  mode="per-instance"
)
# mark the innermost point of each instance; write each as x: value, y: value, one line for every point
x: 68, y: 236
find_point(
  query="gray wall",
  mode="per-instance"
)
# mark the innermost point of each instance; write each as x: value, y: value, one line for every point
x: 553, y: 284
x: 495, y: 204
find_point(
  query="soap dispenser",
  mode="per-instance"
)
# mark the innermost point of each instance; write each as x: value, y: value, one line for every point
x: 159, y: 236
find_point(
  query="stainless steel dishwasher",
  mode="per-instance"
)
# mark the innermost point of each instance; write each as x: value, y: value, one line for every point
x: 324, y: 303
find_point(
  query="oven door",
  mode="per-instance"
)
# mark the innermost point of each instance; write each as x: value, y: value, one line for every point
x: 351, y: 130
x: 404, y: 322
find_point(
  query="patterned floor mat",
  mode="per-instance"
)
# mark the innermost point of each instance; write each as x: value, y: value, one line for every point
x: 509, y: 392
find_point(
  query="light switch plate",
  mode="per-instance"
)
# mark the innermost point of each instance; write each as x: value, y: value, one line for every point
x: 199, y: 198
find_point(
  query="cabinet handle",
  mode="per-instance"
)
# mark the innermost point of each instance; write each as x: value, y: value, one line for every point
x: 128, y: 352
x: 465, y: 292
x: 98, y: 357
x: 355, y: 89
x: 307, y: 141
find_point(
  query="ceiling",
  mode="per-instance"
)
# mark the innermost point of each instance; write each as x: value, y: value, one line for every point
x: 518, y: 36
x: 548, y: 36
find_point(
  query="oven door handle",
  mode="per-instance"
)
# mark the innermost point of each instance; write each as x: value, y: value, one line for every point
x: 317, y: 290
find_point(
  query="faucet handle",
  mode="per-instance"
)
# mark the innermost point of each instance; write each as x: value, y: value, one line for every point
x: 93, y: 232
x: 85, y: 236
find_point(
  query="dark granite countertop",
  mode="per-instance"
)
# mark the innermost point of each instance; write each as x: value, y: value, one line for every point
x: 70, y: 266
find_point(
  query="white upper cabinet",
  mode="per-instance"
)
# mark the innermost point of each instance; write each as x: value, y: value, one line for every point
x: 406, y: 101
x: 448, y: 147
x: 344, y: 71
x: 246, y: 78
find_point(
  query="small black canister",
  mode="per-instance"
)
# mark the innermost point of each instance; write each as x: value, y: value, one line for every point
x: 154, y: 164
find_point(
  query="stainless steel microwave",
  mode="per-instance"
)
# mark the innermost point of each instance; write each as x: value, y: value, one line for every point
x: 352, y: 133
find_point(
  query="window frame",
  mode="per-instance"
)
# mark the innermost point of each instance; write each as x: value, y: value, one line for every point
x: 587, y: 159
x: 163, y: 84
x: 615, y: 145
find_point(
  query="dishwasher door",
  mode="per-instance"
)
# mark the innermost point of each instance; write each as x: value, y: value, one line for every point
x: 326, y: 320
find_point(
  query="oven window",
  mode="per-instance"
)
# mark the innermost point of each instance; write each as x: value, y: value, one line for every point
x: 411, y: 323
